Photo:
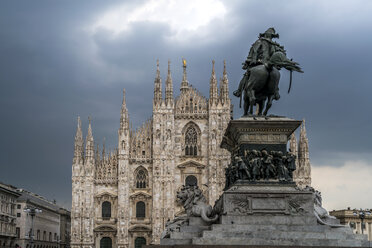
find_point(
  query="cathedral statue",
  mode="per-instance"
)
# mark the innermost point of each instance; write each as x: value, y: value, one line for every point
x: 260, y: 82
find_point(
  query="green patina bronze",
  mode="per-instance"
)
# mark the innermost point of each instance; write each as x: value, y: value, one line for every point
x: 260, y: 82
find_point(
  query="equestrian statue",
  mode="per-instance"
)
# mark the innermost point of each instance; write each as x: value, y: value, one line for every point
x: 260, y: 82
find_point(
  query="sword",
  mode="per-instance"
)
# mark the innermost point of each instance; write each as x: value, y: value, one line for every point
x: 290, y: 81
x: 240, y: 103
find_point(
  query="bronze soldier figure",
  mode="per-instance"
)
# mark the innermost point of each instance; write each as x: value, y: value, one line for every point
x: 260, y: 54
x: 260, y: 82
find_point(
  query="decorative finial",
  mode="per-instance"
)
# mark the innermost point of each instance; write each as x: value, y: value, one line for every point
x: 303, y: 124
x: 184, y: 62
x: 124, y: 96
x: 169, y: 66
x: 213, y: 66
x: 89, y: 119
x: 224, y: 67
x: 157, y: 69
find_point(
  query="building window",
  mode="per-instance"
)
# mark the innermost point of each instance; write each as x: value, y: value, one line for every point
x: 44, y: 236
x: 191, y: 142
x: 18, y: 214
x: 106, y: 210
x: 141, y: 179
x: 38, y: 235
x: 138, y: 242
x: 18, y: 232
x: 191, y: 181
x: 55, y: 236
x: 18, y: 206
x: 50, y: 236
x: 105, y: 242
x: 140, y: 210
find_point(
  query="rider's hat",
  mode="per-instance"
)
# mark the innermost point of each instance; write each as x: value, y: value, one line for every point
x: 270, y: 32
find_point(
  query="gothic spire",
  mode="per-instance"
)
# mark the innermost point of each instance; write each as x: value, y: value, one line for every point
x: 97, y: 156
x: 303, y: 143
x: 185, y: 83
x: 89, y: 144
x: 104, y: 149
x: 303, y: 155
x: 157, y: 86
x: 213, y: 92
x: 224, y: 86
x: 124, y: 119
x: 79, y: 133
x: 169, y: 87
x: 293, y: 144
x: 78, y: 149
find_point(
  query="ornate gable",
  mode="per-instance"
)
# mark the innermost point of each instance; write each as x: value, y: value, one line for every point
x: 191, y: 105
x: 141, y: 142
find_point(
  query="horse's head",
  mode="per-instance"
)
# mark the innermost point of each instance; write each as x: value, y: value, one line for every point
x: 279, y: 60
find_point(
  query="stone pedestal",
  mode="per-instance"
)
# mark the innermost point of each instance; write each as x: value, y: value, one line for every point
x: 244, y: 202
x: 264, y: 210
x: 257, y: 133
x: 274, y: 215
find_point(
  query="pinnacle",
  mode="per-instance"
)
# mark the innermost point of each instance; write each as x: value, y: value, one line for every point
x: 90, y: 135
x: 79, y: 133
x: 169, y: 71
x: 224, y: 67
x: 157, y: 69
x: 123, y: 96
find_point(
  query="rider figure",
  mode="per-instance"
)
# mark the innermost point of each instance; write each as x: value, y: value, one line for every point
x: 260, y: 53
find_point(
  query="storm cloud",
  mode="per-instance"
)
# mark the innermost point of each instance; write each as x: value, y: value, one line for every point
x: 68, y: 58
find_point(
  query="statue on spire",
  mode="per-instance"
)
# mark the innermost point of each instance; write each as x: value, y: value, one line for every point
x: 260, y: 82
x: 184, y: 84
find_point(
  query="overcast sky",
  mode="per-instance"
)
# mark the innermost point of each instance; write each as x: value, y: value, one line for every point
x: 61, y: 59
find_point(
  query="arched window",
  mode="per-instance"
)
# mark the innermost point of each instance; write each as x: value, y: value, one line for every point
x: 138, y: 242
x: 191, y: 142
x: 141, y: 179
x: 106, y: 210
x: 38, y: 235
x: 50, y: 236
x: 140, y: 210
x: 105, y: 242
x: 191, y: 181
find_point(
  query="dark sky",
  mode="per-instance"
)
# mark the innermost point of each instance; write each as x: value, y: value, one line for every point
x: 61, y: 59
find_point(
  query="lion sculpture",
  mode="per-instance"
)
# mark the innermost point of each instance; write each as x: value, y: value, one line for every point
x: 195, y: 204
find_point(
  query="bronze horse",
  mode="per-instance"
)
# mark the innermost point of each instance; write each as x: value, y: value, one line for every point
x: 263, y: 83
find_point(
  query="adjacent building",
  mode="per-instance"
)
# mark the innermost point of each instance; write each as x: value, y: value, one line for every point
x: 28, y: 220
x: 124, y: 198
x: 8, y: 230
x: 46, y: 222
x: 347, y: 217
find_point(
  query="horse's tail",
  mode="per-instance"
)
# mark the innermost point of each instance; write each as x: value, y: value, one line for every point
x: 290, y: 81
x: 240, y: 103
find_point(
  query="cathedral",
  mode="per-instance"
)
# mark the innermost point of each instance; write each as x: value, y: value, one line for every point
x: 124, y: 198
